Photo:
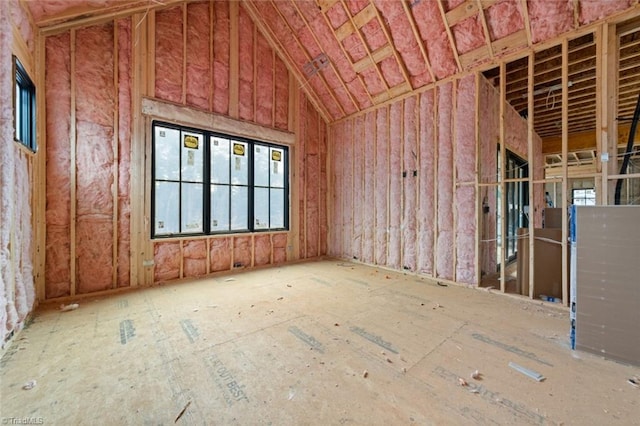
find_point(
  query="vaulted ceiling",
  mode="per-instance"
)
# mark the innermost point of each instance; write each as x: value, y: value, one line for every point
x: 349, y: 55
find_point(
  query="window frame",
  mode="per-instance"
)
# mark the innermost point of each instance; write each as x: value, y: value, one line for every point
x: 24, y: 110
x: 208, y: 184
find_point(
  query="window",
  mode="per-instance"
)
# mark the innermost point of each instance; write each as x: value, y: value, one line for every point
x: 24, y: 107
x: 584, y: 197
x: 209, y: 183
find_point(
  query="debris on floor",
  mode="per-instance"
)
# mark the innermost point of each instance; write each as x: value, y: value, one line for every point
x: 476, y: 375
x: 462, y: 382
x: 441, y: 284
x: 29, y: 385
x: 70, y: 307
x: 182, y: 412
x: 530, y: 373
x: 365, y: 374
x: 634, y: 381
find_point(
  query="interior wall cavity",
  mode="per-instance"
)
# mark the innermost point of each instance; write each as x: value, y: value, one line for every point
x: 444, y: 189
x: 17, y: 290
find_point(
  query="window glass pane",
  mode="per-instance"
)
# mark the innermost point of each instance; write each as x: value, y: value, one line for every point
x: 18, y: 111
x: 276, y: 213
x: 167, y: 209
x: 192, y: 157
x: 191, y: 207
x: 261, y: 208
x: 167, y: 153
x: 239, y: 208
x: 239, y: 163
x: 261, y: 165
x: 219, y: 208
x: 277, y: 167
x: 219, y: 160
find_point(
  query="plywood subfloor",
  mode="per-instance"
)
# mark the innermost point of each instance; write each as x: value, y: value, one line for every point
x: 290, y: 345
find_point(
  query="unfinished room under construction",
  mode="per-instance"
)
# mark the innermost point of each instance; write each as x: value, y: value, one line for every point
x: 291, y: 212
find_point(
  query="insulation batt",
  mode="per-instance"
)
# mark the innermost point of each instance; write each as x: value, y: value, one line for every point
x: 391, y: 72
x: 395, y: 188
x: 337, y: 15
x: 95, y: 100
x: 432, y: 31
x: 465, y: 200
x: 198, y: 71
x: 21, y: 21
x: 409, y: 183
x: 323, y: 226
x: 468, y: 34
x: 282, y: 95
x: 167, y: 261
x: 312, y: 179
x: 221, y: 58
x: 246, y: 51
x: 58, y: 98
x: 262, y: 250
x: 124, y: 151
x: 194, y: 255
x: 347, y: 201
x: 426, y: 170
x: 504, y: 18
x: 335, y: 216
x: 242, y: 251
x: 220, y: 254
x: 444, y: 255
x: 369, y: 168
x: 302, y: 176
x: 264, y: 83
x: 549, y: 18
x: 593, y: 10
x: 381, y: 185
x: 169, y: 54
x: 279, y: 242
x: 358, y: 186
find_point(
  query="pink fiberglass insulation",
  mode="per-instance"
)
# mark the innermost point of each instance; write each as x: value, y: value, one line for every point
x: 354, y: 47
x: 373, y: 82
x: 124, y: 151
x: 308, y: 40
x: 168, y: 60
x: 504, y: 18
x: 336, y: 86
x: 95, y: 100
x: 194, y: 258
x: 356, y: 86
x: 346, y: 140
x: 444, y: 253
x: 242, y: 251
x: 432, y: 31
x: 373, y: 35
x: 279, y: 242
x: 337, y: 15
x: 452, y: 4
x: 358, y: 186
x: 221, y: 58
x: 166, y: 257
x: 58, y: 153
x: 21, y: 21
x: 369, y: 168
x: 404, y: 41
x: 94, y: 248
x: 468, y: 34
x: 426, y: 175
x: 264, y: 83
x: 409, y: 184
x: 549, y: 18
x: 323, y: 188
x: 219, y: 254
x: 301, y: 162
x: 391, y: 71
x: 465, y: 172
x: 312, y: 180
x: 515, y: 129
x: 245, y: 47
x: 335, y: 213
x: 593, y: 10
x: 394, y: 245
x: 262, y: 249
x: 356, y: 6
x: 197, y: 51
x: 381, y: 185
x: 465, y: 130
x: 290, y: 15
x: 281, y: 101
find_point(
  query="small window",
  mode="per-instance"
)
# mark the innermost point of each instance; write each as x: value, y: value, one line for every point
x: 24, y: 107
x: 584, y: 197
x: 209, y: 183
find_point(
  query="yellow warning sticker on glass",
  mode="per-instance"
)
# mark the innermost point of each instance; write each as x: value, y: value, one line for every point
x: 276, y: 155
x: 190, y: 141
x: 238, y: 149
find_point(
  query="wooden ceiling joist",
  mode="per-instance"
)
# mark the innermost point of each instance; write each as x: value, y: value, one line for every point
x: 416, y: 34
x: 447, y: 27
